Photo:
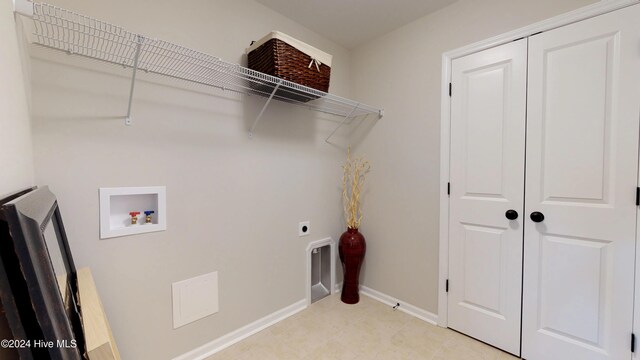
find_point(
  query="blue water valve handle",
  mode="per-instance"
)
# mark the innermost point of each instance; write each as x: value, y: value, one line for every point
x: 148, y: 216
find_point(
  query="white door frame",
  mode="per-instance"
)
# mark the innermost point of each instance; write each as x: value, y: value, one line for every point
x: 586, y: 12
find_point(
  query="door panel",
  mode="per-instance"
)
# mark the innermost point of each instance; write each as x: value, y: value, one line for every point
x: 483, y: 249
x: 487, y: 177
x: 580, y: 263
x: 484, y: 113
x: 576, y: 126
x: 582, y: 164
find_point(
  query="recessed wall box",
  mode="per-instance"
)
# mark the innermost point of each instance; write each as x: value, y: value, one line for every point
x: 116, y: 205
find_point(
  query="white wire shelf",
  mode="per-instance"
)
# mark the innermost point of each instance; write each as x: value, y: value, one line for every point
x: 76, y: 34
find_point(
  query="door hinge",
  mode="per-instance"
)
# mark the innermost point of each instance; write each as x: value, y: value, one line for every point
x: 446, y: 286
x: 448, y: 188
x: 638, y: 196
x: 450, y: 89
x: 633, y: 342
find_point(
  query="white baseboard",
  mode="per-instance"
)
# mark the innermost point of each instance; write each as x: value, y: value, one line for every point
x: 244, y: 332
x: 412, y: 310
x: 338, y: 288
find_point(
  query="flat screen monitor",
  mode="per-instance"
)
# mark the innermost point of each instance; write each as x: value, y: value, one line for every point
x: 42, y: 250
x: 14, y: 294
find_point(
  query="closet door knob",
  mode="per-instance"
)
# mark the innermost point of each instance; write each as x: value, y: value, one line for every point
x: 536, y: 216
x: 511, y: 214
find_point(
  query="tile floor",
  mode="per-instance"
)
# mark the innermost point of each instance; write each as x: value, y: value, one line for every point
x: 369, y: 330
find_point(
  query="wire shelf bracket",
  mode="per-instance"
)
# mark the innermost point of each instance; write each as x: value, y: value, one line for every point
x: 127, y: 120
x: 73, y: 33
x: 342, y: 123
x: 264, y: 107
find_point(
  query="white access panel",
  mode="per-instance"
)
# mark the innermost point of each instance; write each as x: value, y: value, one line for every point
x: 582, y: 167
x: 194, y: 298
x: 488, y: 109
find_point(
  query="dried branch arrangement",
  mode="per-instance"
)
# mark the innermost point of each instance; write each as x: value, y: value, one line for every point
x: 355, y: 171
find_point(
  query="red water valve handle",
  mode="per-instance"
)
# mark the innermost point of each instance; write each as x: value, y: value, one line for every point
x: 134, y: 213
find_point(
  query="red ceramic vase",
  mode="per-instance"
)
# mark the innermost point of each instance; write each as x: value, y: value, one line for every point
x: 352, y: 248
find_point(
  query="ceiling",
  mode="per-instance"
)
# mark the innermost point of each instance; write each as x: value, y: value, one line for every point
x: 353, y: 22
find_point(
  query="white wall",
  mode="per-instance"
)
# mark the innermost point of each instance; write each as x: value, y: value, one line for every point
x: 401, y: 71
x: 233, y: 203
x: 16, y: 158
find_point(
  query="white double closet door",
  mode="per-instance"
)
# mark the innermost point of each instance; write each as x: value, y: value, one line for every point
x: 547, y: 129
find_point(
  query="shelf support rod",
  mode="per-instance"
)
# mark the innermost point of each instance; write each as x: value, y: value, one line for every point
x: 343, y: 121
x: 264, y: 107
x: 127, y: 120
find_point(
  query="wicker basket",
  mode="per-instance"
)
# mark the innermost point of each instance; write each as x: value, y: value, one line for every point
x: 278, y: 58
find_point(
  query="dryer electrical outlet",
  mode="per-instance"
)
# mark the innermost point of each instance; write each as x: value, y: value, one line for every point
x: 304, y: 228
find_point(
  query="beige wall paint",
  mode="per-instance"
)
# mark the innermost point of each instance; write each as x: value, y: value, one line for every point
x: 16, y: 158
x: 401, y: 71
x: 233, y: 204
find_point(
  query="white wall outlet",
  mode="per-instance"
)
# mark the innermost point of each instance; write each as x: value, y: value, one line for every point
x: 304, y: 228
